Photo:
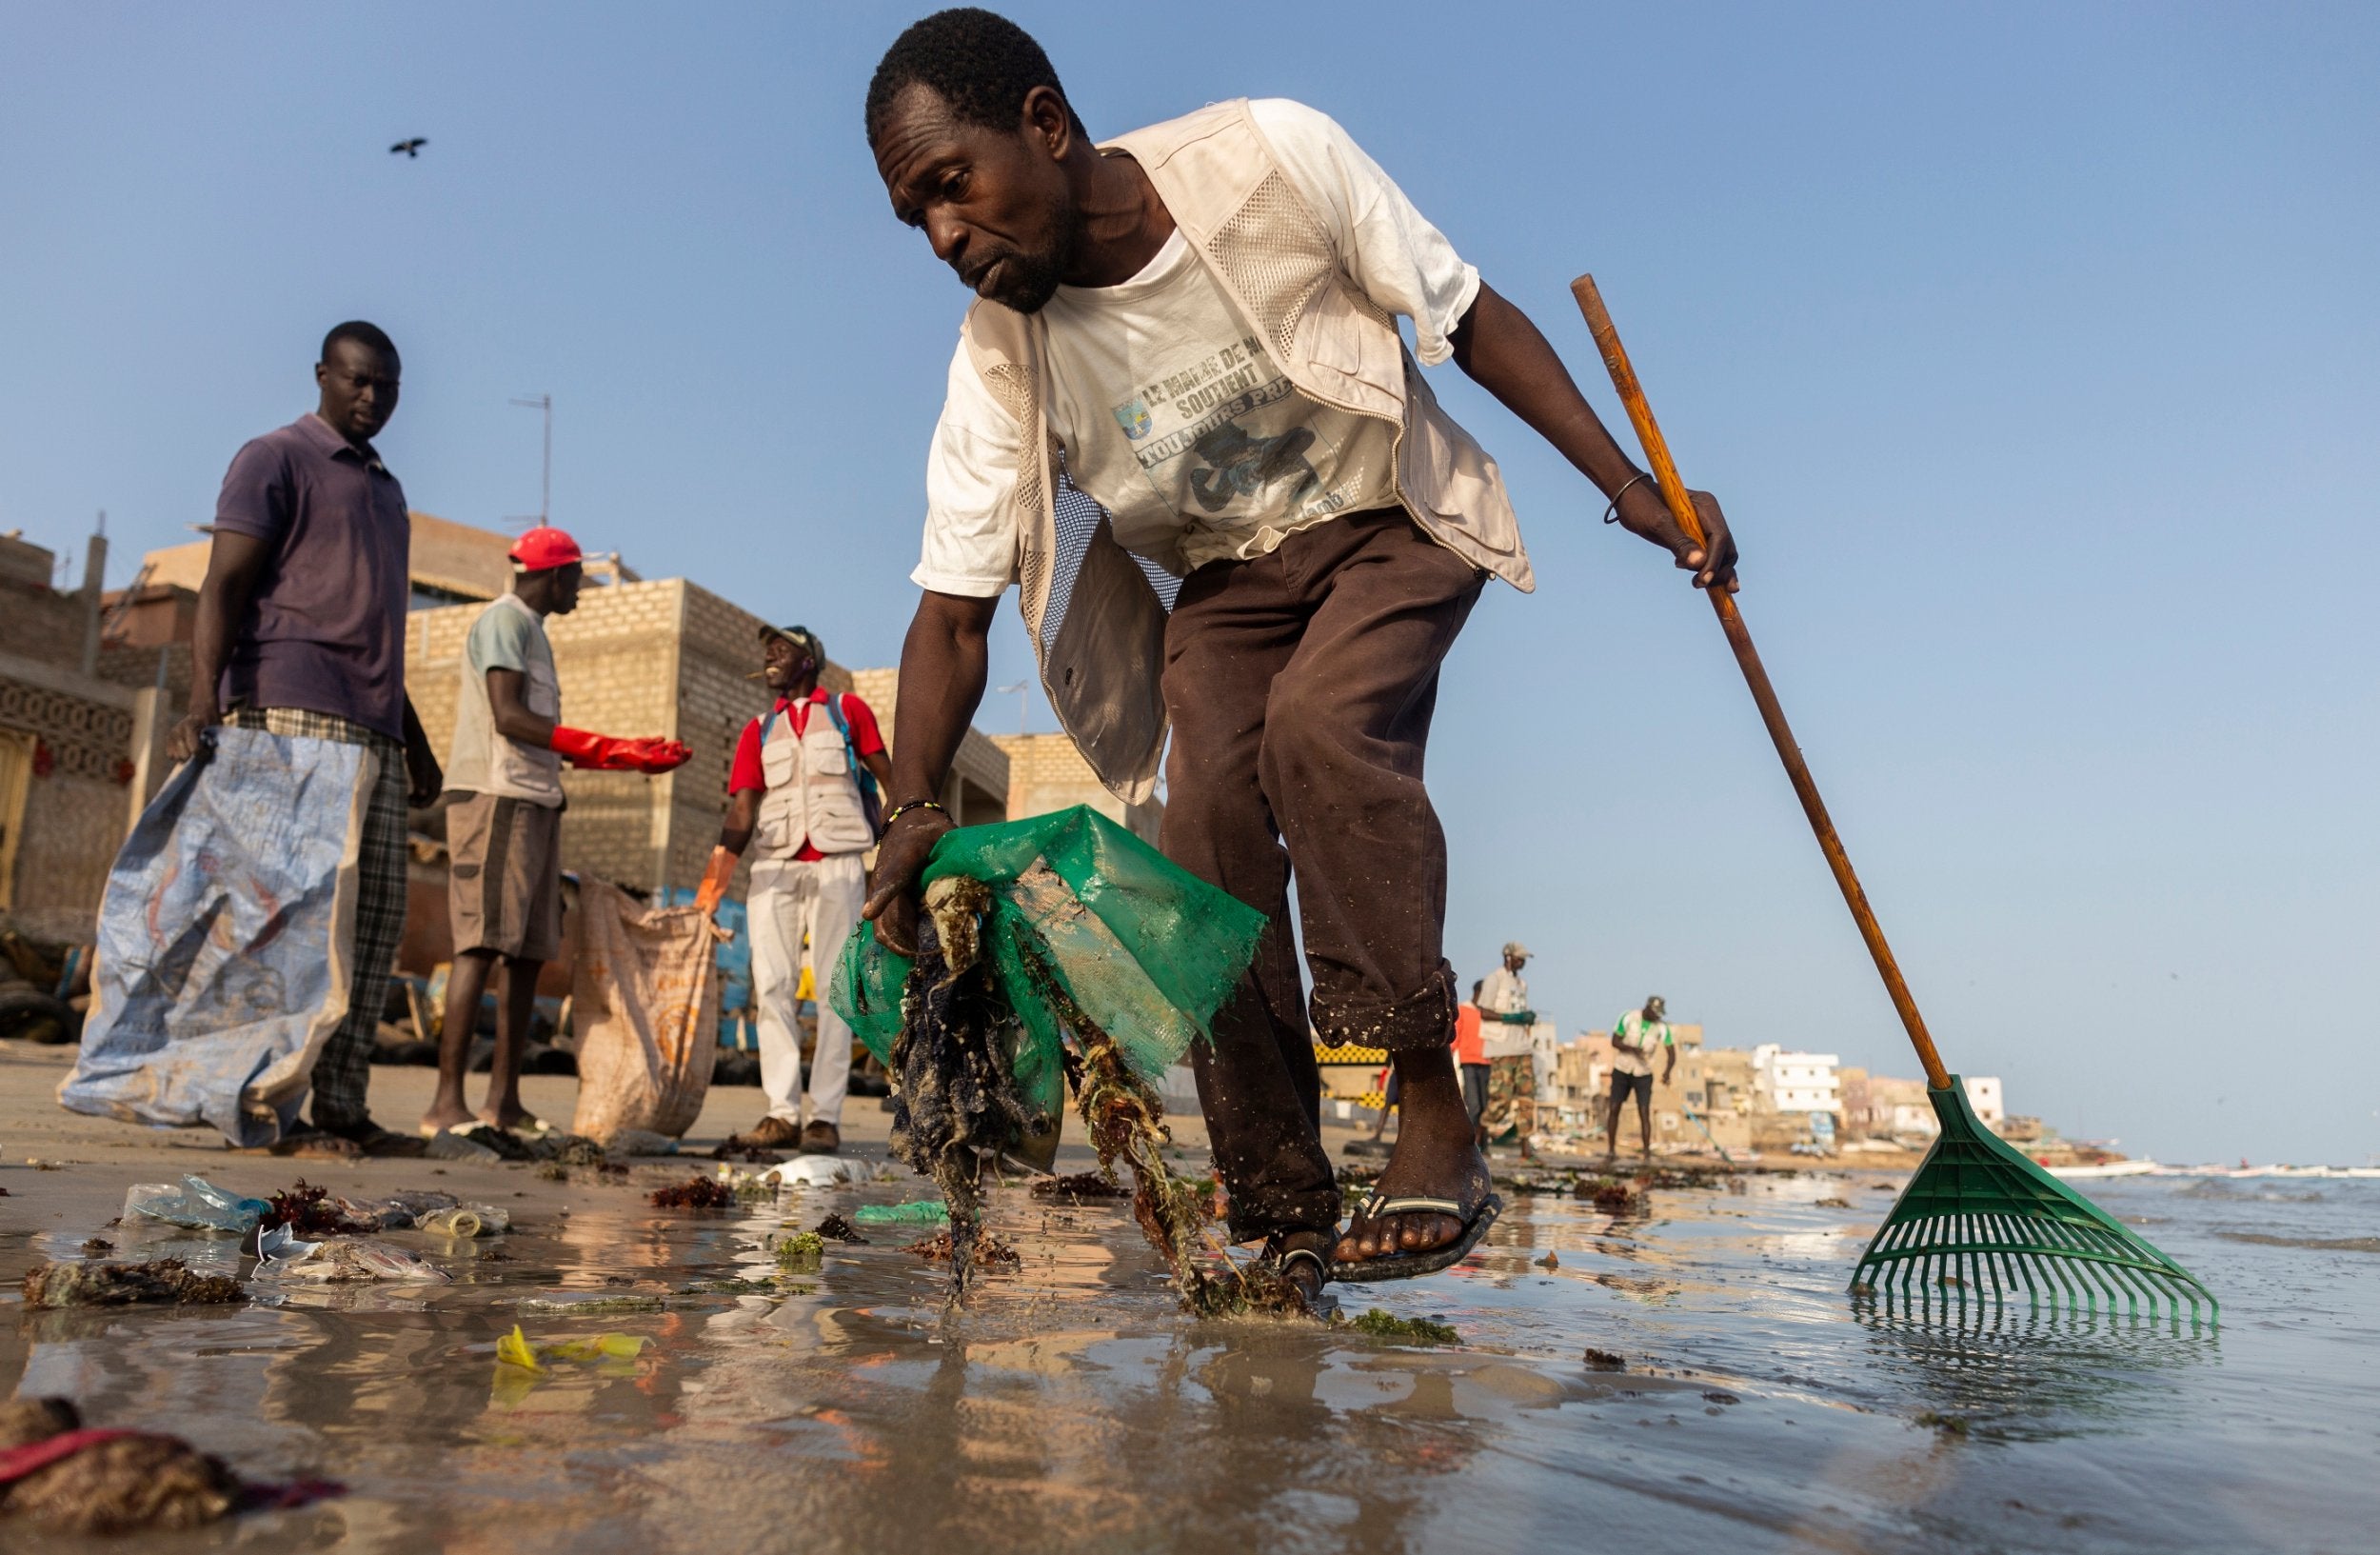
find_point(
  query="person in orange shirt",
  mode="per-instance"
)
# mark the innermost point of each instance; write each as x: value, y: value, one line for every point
x: 1471, y: 1056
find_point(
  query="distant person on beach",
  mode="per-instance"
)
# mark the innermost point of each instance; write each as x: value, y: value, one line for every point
x: 1184, y: 352
x: 805, y: 786
x: 504, y: 824
x: 1504, y: 993
x: 300, y: 631
x: 1634, y: 1038
x: 1471, y: 1059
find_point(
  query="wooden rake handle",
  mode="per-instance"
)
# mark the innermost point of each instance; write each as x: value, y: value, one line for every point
x: 1763, y: 695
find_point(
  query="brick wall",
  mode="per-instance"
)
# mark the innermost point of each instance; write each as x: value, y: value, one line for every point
x: 614, y: 656
x: 39, y: 623
x: 1046, y: 773
x: 978, y: 790
x: 663, y: 657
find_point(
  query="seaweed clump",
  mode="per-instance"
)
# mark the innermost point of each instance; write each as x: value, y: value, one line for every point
x: 1075, y: 1187
x: 1385, y: 1325
x: 696, y: 1192
x: 166, y: 1280
x: 311, y: 1211
x: 1126, y: 1122
x: 941, y: 1248
x: 954, y: 1101
x: 956, y: 1104
x: 835, y: 1228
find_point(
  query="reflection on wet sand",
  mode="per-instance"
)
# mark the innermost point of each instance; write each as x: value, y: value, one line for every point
x: 1068, y: 1407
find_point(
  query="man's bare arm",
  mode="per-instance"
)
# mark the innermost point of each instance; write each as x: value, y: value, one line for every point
x: 744, y: 814
x: 1508, y: 357
x: 423, y: 778
x: 234, y: 562
x: 943, y: 665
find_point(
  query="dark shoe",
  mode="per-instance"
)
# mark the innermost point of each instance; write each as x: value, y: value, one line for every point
x: 820, y: 1138
x: 768, y: 1134
x: 372, y: 1139
x: 309, y: 1143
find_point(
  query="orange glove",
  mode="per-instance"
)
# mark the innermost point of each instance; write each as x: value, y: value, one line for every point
x: 721, y: 869
x: 610, y: 754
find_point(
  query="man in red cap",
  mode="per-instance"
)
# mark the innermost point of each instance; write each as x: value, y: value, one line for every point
x: 797, y: 789
x: 504, y: 824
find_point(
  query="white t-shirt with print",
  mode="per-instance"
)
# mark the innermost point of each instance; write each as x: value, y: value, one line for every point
x: 1174, y: 413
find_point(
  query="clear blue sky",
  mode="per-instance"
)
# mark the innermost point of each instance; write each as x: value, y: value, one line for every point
x: 2034, y: 350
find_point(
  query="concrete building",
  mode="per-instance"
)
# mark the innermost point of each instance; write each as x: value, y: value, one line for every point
x: 1047, y: 772
x: 1706, y: 1103
x: 1796, y: 1082
x: 90, y: 684
x: 1899, y: 1109
x: 78, y: 752
x: 1983, y: 1094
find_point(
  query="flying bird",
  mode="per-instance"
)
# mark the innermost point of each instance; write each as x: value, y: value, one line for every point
x: 411, y: 147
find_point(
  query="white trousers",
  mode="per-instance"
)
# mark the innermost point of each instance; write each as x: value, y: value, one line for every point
x: 791, y: 900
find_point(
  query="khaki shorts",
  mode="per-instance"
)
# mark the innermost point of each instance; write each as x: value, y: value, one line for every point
x: 504, y: 881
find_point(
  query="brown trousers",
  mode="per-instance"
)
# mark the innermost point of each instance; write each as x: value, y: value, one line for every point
x: 1300, y: 686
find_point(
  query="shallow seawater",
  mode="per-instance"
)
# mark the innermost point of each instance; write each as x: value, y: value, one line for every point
x: 1070, y: 1409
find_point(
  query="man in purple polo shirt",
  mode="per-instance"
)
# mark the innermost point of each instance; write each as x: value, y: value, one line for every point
x: 301, y: 631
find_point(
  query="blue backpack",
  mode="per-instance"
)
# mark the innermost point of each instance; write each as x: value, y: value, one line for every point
x: 871, y: 803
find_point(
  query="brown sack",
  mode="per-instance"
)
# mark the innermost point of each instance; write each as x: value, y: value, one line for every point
x: 645, y: 1005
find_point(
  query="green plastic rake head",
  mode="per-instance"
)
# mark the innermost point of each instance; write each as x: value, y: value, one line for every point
x: 1978, y: 1218
x: 1981, y: 1223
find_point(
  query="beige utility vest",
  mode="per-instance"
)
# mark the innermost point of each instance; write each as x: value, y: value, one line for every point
x: 812, y: 795
x: 1273, y: 258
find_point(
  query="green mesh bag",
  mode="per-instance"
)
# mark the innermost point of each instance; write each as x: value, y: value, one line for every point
x: 1147, y: 950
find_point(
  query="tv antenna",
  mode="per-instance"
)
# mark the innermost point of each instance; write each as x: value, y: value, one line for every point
x: 545, y: 486
x: 1022, y: 691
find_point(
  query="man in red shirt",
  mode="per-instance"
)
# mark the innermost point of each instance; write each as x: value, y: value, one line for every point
x: 1471, y: 1056
x: 796, y: 789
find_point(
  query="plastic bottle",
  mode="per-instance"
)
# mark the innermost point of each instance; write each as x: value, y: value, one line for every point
x: 454, y: 1223
x: 916, y: 1212
x: 197, y: 1204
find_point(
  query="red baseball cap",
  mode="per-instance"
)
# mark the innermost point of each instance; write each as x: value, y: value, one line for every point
x: 544, y: 548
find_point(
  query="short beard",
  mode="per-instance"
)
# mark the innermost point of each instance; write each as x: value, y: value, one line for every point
x: 1034, y: 278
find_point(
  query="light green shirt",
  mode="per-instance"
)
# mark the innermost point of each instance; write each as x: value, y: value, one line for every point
x: 508, y: 635
x: 1634, y: 1040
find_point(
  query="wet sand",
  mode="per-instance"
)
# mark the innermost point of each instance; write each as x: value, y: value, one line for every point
x: 1069, y: 1408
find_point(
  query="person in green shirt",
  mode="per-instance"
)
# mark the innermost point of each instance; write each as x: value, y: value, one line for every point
x: 1635, y: 1037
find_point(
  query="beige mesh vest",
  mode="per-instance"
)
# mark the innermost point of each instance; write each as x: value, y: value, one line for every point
x: 813, y: 796
x: 1101, y: 651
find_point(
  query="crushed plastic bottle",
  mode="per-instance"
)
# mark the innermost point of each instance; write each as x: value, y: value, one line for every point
x: 197, y: 1204
x: 341, y: 1260
x: 916, y: 1212
x: 467, y: 1221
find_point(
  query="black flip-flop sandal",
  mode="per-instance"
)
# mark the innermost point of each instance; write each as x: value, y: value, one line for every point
x: 1408, y: 1265
x: 1284, y: 1258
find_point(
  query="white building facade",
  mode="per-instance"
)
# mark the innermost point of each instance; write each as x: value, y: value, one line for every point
x: 1797, y: 1082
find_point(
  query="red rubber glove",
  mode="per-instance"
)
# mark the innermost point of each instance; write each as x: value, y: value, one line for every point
x: 611, y: 753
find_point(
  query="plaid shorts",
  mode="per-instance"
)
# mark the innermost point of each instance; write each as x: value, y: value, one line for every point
x: 344, y: 1070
